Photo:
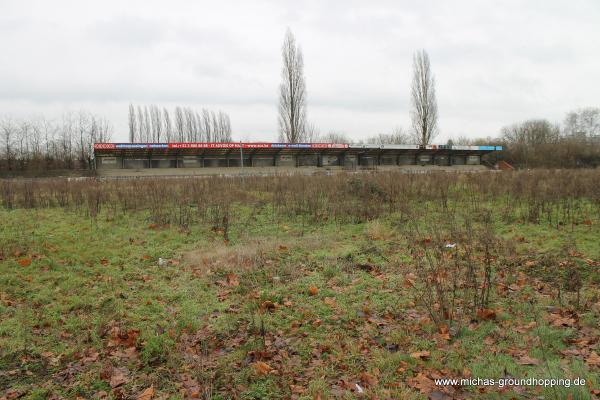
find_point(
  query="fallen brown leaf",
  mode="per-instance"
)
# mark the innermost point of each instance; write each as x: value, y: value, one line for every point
x: 422, y: 382
x: 564, y: 321
x: 368, y: 379
x: 261, y: 368
x: 486, y: 314
x: 147, y: 394
x: 121, y: 338
x: 232, y: 280
x: 118, y: 378
x: 24, y: 262
x: 420, y: 355
x: 437, y: 395
x: 444, y: 332
x: 330, y: 301
x: 268, y: 306
x: 89, y: 356
x: 526, y: 360
x: 593, y: 359
x: 297, y: 389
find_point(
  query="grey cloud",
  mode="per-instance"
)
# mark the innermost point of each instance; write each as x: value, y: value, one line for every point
x: 10, y: 26
x: 126, y: 31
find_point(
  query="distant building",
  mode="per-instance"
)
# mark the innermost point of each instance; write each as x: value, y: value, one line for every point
x: 258, y: 154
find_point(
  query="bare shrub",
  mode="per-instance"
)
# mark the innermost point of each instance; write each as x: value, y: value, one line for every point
x: 557, y: 198
x: 455, y: 269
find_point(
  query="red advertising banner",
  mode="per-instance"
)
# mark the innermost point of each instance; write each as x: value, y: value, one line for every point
x: 218, y: 145
x: 329, y: 145
x: 99, y: 146
x: 209, y: 145
x: 256, y: 145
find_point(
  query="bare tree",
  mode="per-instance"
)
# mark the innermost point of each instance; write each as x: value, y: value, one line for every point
x: 49, y: 130
x: 424, y: 112
x: 147, y: 126
x: 195, y: 126
x: 530, y: 142
x: 312, y: 133
x: 132, y: 123
x: 8, y: 130
x: 156, y: 122
x: 190, y: 122
x: 66, y: 140
x: 397, y: 136
x: 103, y: 130
x: 187, y: 125
x: 206, y: 122
x: 84, y: 142
x: 583, y: 123
x: 179, y: 124
x: 215, y: 127
x: 462, y: 141
x: 167, y: 125
x: 200, y: 126
x: 39, y: 144
x: 334, y: 137
x: 141, y: 125
x: 225, y: 126
x: 532, y: 132
x: 292, y: 93
x: 221, y: 127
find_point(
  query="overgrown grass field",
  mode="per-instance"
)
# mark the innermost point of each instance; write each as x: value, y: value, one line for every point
x: 347, y: 286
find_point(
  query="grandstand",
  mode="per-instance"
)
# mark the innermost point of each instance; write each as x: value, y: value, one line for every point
x: 141, y: 156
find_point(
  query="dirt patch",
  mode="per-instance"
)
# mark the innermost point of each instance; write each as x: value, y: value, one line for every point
x: 238, y: 257
x: 248, y: 255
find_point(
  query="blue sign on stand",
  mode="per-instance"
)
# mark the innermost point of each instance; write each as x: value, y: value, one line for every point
x: 131, y: 146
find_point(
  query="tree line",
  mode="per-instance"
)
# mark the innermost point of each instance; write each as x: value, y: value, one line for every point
x: 40, y: 144
x: 535, y: 143
x: 153, y: 124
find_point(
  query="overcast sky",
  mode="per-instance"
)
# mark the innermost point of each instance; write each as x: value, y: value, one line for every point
x: 495, y: 62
